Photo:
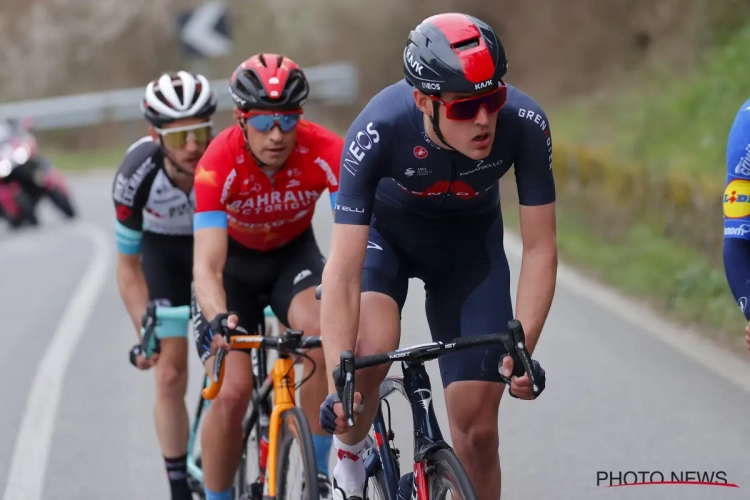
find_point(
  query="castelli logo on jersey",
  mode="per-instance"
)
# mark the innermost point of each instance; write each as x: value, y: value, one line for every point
x: 420, y: 152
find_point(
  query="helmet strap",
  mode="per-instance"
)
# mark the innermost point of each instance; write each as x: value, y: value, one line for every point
x: 435, y: 120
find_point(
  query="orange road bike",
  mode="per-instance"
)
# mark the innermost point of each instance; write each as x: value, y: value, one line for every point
x: 274, y: 422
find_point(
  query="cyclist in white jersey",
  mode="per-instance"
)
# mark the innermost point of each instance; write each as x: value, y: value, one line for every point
x: 154, y: 205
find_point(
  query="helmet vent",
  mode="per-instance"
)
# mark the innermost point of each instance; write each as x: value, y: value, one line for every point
x: 466, y: 44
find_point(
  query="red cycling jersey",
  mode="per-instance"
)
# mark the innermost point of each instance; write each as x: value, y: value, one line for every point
x: 232, y: 192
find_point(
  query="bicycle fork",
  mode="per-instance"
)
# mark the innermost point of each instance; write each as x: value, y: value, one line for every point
x: 427, y: 435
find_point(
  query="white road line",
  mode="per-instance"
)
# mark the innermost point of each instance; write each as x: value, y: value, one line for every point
x: 690, y: 343
x: 31, y: 453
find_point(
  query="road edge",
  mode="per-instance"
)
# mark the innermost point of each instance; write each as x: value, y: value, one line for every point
x: 27, y: 472
x: 689, y: 342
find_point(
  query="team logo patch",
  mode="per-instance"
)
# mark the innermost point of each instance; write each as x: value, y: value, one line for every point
x: 737, y: 200
x: 420, y: 152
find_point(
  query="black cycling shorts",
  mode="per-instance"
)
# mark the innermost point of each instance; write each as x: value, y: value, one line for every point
x: 466, y: 277
x: 167, y: 262
x: 254, y: 279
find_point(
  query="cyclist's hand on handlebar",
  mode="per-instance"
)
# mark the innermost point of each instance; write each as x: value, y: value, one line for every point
x: 141, y: 362
x: 332, y: 419
x: 220, y: 327
x: 521, y: 387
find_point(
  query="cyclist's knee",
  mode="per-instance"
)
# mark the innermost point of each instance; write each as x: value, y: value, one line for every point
x: 236, y: 388
x: 472, y: 412
x: 304, y: 313
x: 475, y: 437
x: 171, y: 378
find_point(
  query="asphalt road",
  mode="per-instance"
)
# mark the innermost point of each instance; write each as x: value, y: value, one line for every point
x: 624, y: 392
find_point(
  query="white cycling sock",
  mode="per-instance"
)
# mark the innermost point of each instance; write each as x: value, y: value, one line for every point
x: 349, y: 473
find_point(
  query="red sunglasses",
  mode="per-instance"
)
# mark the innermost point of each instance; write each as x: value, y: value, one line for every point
x: 467, y: 108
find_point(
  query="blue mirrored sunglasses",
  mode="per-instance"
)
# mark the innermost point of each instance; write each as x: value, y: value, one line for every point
x: 265, y: 122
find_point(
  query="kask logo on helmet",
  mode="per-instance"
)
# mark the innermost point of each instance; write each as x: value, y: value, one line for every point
x: 413, y: 63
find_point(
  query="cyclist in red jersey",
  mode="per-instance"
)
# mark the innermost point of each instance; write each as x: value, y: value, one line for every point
x: 255, y: 189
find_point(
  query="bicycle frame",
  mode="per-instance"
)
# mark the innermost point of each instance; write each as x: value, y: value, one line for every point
x: 260, y: 371
x: 416, y: 387
x: 283, y: 380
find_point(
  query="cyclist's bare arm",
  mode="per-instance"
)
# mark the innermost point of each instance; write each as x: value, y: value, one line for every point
x: 132, y: 285
x: 341, y: 284
x: 210, y: 255
x: 536, y: 284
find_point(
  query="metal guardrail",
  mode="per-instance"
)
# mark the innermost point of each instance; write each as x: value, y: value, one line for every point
x: 335, y: 84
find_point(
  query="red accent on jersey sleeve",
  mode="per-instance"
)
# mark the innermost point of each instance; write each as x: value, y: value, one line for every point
x: 212, y: 180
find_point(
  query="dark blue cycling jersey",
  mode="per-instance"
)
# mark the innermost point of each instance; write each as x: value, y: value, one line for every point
x: 737, y: 209
x: 435, y: 215
x: 389, y: 157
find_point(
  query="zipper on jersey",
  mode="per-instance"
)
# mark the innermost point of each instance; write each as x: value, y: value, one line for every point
x: 450, y: 183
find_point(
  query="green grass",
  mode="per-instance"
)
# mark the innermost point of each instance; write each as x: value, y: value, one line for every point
x: 668, y: 121
x: 667, y: 275
x: 73, y: 161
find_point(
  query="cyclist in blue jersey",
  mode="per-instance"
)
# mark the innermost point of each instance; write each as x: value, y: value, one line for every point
x: 419, y: 197
x: 737, y: 212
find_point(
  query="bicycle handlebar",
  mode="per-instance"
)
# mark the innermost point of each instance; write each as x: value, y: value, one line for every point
x: 151, y: 316
x: 290, y: 342
x: 514, y: 341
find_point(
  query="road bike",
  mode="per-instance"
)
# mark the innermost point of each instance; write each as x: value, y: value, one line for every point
x: 437, y: 471
x: 272, y: 425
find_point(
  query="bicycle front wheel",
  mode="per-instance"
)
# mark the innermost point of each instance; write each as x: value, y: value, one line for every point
x: 296, y: 470
x: 448, y: 479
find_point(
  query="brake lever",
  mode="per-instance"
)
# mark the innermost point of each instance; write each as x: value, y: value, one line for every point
x: 343, y: 377
x: 522, y: 354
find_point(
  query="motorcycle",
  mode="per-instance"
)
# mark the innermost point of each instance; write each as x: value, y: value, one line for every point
x: 26, y: 177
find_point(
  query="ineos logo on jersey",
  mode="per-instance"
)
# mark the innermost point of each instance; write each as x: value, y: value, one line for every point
x: 413, y: 63
x: 483, y: 85
x: 363, y: 142
x: 420, y: 152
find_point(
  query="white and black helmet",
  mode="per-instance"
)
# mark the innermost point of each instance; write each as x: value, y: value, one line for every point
x: 174, y: 96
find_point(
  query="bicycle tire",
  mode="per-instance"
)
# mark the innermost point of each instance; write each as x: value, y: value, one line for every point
x: 294, y: 427
x: 250, y: 455
x: 447, y: 467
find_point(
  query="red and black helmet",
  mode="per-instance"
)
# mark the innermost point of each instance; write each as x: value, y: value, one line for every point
x: 454, y: 52
x: 270, y: 82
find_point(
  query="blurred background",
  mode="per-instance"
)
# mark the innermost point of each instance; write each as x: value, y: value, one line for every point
x: 640, y: 96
